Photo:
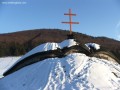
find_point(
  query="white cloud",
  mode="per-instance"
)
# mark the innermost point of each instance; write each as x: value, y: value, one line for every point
x: 117, y: 30
x: 118, y: 25
x: 118, y: 37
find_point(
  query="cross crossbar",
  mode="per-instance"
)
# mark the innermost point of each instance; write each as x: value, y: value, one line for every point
x: 71, y: 22
x: 70, y: 14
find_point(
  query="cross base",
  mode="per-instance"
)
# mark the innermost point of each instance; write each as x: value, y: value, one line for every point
x: 70, y: 36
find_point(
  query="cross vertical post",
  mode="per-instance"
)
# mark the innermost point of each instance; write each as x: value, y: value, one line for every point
x: 70, y: 14
x: 70, y: 18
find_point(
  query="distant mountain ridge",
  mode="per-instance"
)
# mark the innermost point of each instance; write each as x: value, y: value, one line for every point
x: 18, y: 43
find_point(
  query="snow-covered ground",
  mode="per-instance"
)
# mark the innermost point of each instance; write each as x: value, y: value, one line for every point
x: 73, y: 72
x: 76, y: 71
x: 6, y: 63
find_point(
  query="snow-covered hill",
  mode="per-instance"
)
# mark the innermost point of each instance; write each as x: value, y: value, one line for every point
x: 76, y: 71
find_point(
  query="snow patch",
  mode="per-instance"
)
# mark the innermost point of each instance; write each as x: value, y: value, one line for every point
x: 94, y: 45
x: 68, y: 43
x: 6, y: 63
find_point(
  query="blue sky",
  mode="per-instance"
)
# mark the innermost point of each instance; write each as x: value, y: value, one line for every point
x: 96, y: 17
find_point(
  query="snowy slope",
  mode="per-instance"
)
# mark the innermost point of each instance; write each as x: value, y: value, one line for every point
x: 73, y: 72
x: 47, y: 47
x: 6, y: 63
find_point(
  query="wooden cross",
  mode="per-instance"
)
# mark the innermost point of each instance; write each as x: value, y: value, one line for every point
x: 70, y: 20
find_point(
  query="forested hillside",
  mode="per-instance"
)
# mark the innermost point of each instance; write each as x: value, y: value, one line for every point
x: 18, y: 43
